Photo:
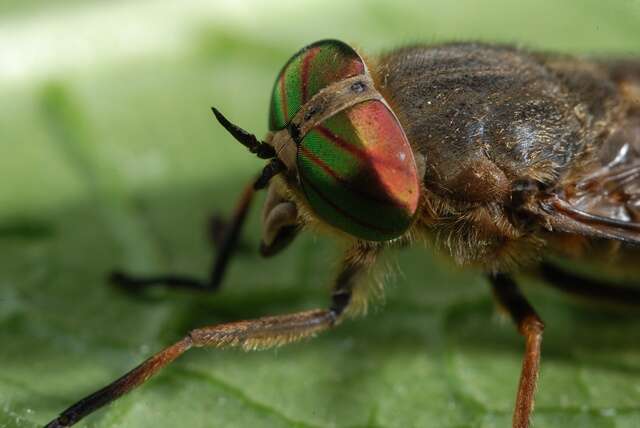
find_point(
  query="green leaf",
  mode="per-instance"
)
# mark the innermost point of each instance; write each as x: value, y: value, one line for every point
x: 110, y: 158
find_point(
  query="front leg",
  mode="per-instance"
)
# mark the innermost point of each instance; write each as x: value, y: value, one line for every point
x: 226, y: 242
x: 260, y: 333
x: 530, y: 326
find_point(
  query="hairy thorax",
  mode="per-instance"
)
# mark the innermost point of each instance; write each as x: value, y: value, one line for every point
x: 482, y: 118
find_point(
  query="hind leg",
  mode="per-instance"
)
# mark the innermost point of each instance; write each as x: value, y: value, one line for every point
x: 531, y: 327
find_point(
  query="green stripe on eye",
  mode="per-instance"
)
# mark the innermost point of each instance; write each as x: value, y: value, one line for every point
x: 276, y: 117
x: 327, y: 205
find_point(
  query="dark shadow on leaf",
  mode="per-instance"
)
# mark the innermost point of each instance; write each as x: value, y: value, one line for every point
x: 26, y: 228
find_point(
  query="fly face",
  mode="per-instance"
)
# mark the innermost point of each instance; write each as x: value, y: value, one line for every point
x: 341, y: 148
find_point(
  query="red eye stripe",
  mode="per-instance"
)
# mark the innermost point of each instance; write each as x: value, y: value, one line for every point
x: 361, y: 154
x: 347, y: 184
x: 304, y: 78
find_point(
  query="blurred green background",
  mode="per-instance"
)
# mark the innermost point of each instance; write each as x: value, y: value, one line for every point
x: 109, y: 156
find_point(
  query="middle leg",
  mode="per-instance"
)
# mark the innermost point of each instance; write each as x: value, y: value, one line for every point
x: 588, y: 288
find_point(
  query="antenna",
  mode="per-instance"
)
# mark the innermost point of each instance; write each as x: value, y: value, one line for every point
x: 260, y: 148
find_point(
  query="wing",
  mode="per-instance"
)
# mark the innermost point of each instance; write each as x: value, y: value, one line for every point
x: 604, y: 202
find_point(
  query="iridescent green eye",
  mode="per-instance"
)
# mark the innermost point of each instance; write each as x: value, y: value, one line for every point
x: 307, y: 72
x: 358, y: 172
x: 355, y: 167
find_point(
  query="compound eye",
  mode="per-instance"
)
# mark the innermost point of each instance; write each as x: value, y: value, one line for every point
x: 306, y: 73
x: 358, y: 172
